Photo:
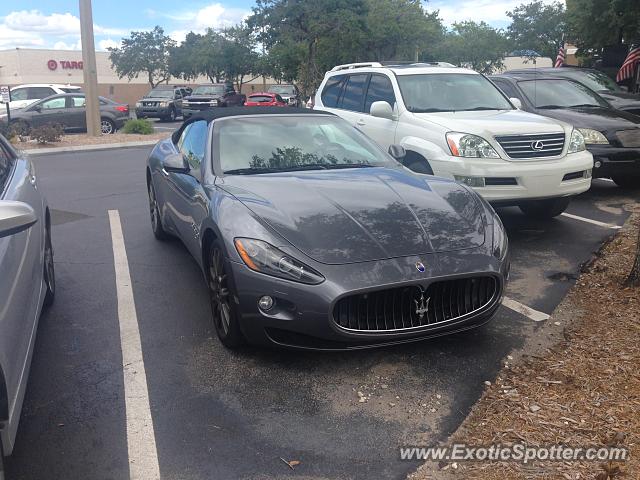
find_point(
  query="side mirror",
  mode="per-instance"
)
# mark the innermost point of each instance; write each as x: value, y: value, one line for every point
x: 381, y: 110
x: 516, y: 102
x: 176, y: 163
x: 396, y: 151
x: 38, y: 108
x: 15, y: 217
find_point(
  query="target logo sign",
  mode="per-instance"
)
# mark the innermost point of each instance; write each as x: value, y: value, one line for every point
x: 52, y: 64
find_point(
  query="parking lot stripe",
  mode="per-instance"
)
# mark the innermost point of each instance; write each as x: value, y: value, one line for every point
x: 141, y: 440
x: 534, y: 315
x: 593, y: 222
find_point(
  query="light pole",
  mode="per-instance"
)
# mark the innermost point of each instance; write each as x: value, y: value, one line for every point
x: 89, y: 70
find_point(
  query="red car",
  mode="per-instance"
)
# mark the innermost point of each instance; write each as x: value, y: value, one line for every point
x: 265, y: 100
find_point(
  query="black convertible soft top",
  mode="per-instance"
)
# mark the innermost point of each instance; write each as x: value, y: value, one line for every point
x: 222, y: 112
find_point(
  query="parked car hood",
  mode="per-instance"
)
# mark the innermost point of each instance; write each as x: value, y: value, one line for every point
x: 358, y: 215
x: 202, y: 98
x: 622, y: 100
x: 601, y: 119
x: 493, y: 122
x: 156, y: 99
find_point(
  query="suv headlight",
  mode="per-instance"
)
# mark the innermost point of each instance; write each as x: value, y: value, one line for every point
x: 164, y: 104
x: 593, y: 137
x: 138, y: 104
x: 467, y: 145
x: 576, y: 142
x: 265, y: 258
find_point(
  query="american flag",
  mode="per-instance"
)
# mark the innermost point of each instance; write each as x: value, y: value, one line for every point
x: 627, y: 68
x: 560, y: 58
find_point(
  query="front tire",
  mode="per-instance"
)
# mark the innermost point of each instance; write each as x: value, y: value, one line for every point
x: 172, y: 115
x: 626, y: 181
x: 154, y: 211
x: 545, y: 209
x: 49, y: 272
x: 222, y: 296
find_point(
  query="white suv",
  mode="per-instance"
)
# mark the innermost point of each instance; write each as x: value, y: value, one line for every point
x: 455, y: 123
x: 24, y: 95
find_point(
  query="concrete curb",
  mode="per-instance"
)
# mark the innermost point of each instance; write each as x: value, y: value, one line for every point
x: 88, y: 148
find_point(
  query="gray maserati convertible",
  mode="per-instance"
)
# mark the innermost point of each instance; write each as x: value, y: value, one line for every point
x: 310, y: 236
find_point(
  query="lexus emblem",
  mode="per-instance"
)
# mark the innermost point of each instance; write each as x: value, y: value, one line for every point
x: 537, y: 145
x: 420, y: 267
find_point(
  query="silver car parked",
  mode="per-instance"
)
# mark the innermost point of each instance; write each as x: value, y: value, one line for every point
x: 27, y: 282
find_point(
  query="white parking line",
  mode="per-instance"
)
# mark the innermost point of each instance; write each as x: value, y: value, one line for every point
x: 593, y: 222
x: 141, y: 440
x: 534, y: 315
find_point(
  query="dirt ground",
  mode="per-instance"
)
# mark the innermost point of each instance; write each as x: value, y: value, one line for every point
x: 84, y: 139
x: 582, y: 390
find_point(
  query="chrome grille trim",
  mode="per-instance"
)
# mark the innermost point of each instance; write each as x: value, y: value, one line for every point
x: 395, y: 309
x: 521, y: 146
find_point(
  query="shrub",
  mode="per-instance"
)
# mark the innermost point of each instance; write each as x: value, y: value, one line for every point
x: 49, y: 133
x: 140, y: 126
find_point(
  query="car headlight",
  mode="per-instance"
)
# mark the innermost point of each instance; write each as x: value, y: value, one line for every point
x: 186, y: 102
x: 138, y: 104
x: 214, y: 103
x: 467, y: 145
x: 265, y: 258
x: 593, y: 137
x: 164, y: 104
x: 500, y: 243
x: 576, y: 142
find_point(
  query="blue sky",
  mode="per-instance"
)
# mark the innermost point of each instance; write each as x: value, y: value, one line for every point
x: 55, y: 24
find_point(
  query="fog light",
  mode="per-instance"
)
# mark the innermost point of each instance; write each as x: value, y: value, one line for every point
x: 587, y: 173
x: 471, y: 181
x: 265, y: 303
x: 597, y: 164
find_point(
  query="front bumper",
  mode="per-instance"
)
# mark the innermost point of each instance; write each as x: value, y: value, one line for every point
x: 152, y: 112
x: 303, y: 314
x: 535, y: 179
x: 609, y: 160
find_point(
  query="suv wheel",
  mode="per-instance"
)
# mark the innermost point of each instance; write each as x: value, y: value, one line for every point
x: 172, y: 115
x: 627, y: 181
x: 545, y: 209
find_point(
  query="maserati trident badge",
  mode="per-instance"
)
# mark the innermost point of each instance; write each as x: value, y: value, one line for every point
x: 422, y: 307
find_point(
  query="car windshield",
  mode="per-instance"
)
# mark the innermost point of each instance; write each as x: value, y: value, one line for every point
x: 593, y: 79
x: 208, y: 90
x: 552, y: 94
x: 278, y: 143
x: 160, y: 93
x: 282, y: 89
x: 450, y: 92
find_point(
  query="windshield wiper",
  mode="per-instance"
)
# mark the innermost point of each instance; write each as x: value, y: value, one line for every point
x: 250, y: 171
x: 426, y: 110
x: 348, y: 165
x: 585, y: 105
x: 550, y: 107
x: 480, y: 108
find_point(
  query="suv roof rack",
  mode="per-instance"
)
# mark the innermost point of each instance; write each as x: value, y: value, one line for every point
x: 349, y: 66
x: 403, y: 64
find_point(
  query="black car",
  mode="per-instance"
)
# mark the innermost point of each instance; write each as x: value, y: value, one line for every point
x: 596, y: 80
x: 164, y: 103
x: 611, y: 135
x: 205, y: 97
x: 68, y: 110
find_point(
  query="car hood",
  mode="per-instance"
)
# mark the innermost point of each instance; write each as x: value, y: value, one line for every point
x: 489, y: 123
x: 202, y: 98
x: 622, y: 100
x: 359, y: 215
x: 601, y: 119
x: 156, y: 99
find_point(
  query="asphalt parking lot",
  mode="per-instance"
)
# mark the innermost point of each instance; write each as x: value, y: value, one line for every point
x: 223, y: 415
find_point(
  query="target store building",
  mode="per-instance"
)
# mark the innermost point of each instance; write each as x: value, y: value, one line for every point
x: 25, y: 65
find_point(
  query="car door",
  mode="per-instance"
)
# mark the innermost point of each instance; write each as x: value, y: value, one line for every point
x: 189, y: 200
x: 76, y: 114
x: 21, y: 280
x: 380, y: 130
x: 47, y: 111
x: 351, y: 104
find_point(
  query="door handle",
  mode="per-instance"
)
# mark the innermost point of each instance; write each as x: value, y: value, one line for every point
x: 361, y: 123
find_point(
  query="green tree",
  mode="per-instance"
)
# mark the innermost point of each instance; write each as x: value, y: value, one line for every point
x: 322, y: 29
x: 477, y: 45
x: 399, y: 29
x: 239, y: 55
x: 144, y: 52
x: 594, y: 24
x: 538, y: 26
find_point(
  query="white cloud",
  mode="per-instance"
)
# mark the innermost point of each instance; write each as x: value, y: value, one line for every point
x: 490, y: 11
x: 60, y: 45
x: 107, y: 43
x: 11, y: 38
x: 35, y: 21
x: 214, y: 15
